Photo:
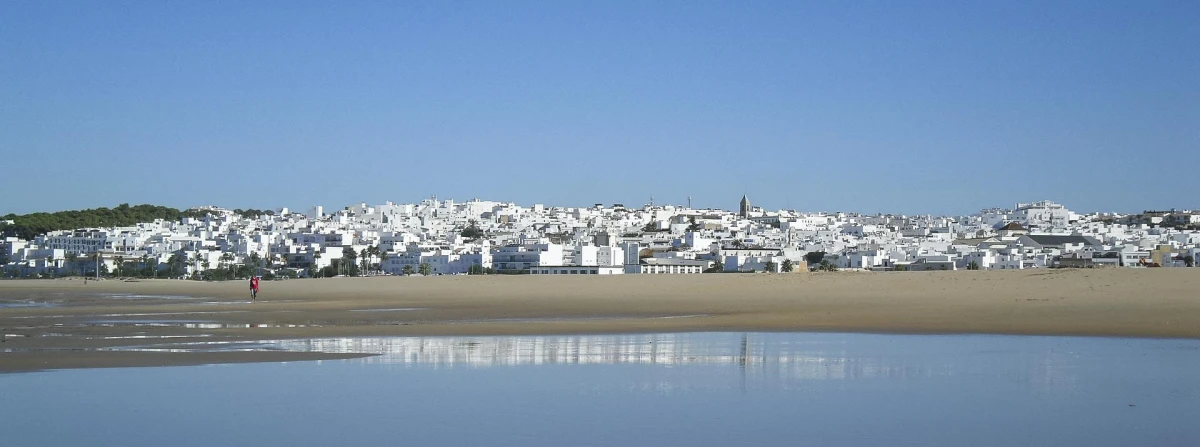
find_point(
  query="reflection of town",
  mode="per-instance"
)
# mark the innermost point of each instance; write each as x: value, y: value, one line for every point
x: 765, y: 356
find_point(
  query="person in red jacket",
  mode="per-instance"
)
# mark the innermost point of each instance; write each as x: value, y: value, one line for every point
x: 253, y: 288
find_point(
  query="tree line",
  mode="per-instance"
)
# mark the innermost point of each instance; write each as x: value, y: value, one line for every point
x: 28, y: 226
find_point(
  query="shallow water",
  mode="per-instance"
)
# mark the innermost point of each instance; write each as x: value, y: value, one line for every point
x: 662, y: 389
x: 24, y: 304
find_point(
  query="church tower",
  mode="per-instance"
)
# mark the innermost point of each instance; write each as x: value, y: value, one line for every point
x: 745, y: 207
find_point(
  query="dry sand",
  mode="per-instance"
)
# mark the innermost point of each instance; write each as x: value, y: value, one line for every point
x: 1112, y: 302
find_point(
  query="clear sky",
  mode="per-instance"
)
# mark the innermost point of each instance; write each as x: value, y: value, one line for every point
x: 890, y: 106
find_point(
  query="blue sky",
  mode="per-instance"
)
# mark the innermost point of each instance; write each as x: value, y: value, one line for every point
x: 903, y: 107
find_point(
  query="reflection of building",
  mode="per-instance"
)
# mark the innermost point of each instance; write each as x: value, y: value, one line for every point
x: 784, y: 360
x: 754, y: 355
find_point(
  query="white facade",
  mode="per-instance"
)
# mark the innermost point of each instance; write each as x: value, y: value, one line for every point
x: 575, y: 270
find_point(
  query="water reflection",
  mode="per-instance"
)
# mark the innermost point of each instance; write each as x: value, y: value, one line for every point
x: 624, y: 390
x: 755, y: 357
x: 24, y: 304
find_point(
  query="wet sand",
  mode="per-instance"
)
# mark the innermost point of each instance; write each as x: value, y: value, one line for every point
x: 66, y: 324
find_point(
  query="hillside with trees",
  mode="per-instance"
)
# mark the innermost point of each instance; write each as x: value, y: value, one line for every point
x: 27, y: 226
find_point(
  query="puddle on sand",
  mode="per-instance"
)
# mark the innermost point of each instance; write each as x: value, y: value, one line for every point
x: 184, y: 324
x: 147, y: 314
x: 202, y: 346
x: 121, y: 337
x: 133, y: 296
x: 135, y: 323
x: 137, y: 337
x: 570, y: 319
x: 192, y: 347
x: 243, y: 325
x: 151, y: 314
x: 24, y: 304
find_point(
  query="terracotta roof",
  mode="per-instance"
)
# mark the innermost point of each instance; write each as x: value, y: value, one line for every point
x: 1013, y: 226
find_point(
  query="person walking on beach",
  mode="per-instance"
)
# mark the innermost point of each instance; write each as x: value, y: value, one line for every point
x: 253, y: 288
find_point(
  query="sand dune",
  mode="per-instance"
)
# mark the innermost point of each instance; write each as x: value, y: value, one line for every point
x: 1117, y: 302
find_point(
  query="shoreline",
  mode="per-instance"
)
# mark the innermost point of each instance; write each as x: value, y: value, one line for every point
x: 74, y: 320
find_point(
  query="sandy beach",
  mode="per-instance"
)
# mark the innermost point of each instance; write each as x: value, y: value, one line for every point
x: 65, y: 323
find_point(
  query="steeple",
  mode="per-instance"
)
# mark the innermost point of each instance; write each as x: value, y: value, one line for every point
x: 745, y: 207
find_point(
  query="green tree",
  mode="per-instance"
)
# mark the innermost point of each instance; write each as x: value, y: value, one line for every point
x: 814, y: 257
x: 383, y: 256
x: 425, y: 269
x: 29, y: 226
x: 120, y: 264
x: 255, y: 262
x: 827, y: 266
x: 175, y: 264
x: 472, y: 232
x: 1189, y: 261
x: 365, y: 260
x: 370, y: 253
x: 407, y: 270
x: 770, y: 267
x: 349, y: 255
x: 787, y: 266
x: 475, y: 269
x: 971, y: 266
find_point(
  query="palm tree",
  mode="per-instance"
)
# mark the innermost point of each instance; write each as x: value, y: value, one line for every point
x: 382, y: 257
x: 172, y: 265
x: 407, y: 270
x: 364, y: 261
x: 372, y: 252
x: 348, y: 257
x: 197, y: 262
x: 120, y: 260
x: 226, y: 265
x: 254, y: 261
